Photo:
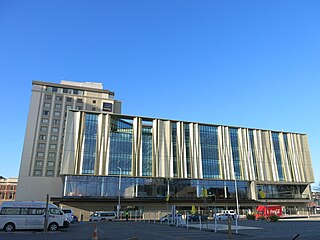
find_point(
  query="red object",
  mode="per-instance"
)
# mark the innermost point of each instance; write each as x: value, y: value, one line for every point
x: 268, y: 210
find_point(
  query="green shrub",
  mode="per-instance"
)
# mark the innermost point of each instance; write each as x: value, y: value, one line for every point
x: 251, y: 216
x: 274, y: 218
x: 261, y: 218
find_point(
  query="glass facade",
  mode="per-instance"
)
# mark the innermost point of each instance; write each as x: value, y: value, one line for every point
x: 283, y: 191
x: 120, y: 153
x: 90, y: 142
x: 285, y: 138
x: 277, y: 152
x: 187, y: 145
x: 174, y: 147
x: 107, y: 186
x: 146, y: 151
x: 253, y: 154
x: 209, y: 151
x: 235, y: 152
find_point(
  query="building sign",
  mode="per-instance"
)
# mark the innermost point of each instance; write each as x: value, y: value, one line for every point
x: 107, y: 107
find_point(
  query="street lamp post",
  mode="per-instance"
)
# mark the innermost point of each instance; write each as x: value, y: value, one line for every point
x: 119, y: 206
x: 237, y: 201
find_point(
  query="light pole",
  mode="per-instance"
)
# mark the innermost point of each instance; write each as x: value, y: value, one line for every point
x: 119, y: 206
x: 237, y: 201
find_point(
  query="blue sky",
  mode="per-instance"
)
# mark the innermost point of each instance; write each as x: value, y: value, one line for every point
x: 243, y: 63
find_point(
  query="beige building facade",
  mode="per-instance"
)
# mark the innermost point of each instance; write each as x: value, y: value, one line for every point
x: 8, y: 187
x: 39, y: 173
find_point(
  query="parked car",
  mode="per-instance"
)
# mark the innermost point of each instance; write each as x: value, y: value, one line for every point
x: 231, y: 212
x: 168, y: 217
x: 17, y: 215
x: 195, y: 218
x: 225, y: 216
x: 68, y: 213
x: 74, y: 219
x: 102, y: 216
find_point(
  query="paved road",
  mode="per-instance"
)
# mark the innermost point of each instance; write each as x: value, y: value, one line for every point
x: 149, y: 231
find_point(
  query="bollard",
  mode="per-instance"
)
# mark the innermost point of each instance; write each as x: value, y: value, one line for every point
x: 215, y: 222
x: 187, y: 218
x: 95, y: 232
x: 229, y: 227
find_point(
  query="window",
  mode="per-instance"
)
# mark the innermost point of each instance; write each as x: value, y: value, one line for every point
x: 55, y: 129
x: 48, y: 97
x: 54, y: 89
x: 54, y: 138
x: 79, y: 107
x: 107, y: 107
x: 50, y: 163
x: 41, y: 145
x: 10, y: 211
x: 69, y: 99
x: 57, y: 114
x: 42, y: 137
x: 59, y: 98
x: 47, y: 105
x: 45, y: 120
x: 36, y: 211
x: 43, y: 129
x: 57, y: 106
x: 55, y: 211
x: 93, y: 109
x: 90, y: 134
x: 68, y: 107
x: 56, y: 121
x: 51, y: 155
x: 94, y: 101
x: 49, y: 172
x: 40, y: 154
x: 53, y: 146
x: 37, y: 172
x: 39, y: 163
x: 79, y: 100
x: 45, y: 112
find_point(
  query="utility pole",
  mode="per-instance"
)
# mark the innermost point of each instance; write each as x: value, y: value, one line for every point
x: 119, y: 206
x: 46, y: 215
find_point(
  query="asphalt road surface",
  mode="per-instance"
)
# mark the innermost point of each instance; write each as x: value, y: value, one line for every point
x: 298, y: 230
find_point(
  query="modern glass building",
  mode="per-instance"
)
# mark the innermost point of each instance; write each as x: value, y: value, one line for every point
x: 161, y: 162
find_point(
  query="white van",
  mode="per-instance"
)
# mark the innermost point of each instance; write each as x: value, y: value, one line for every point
x: 102, y: 216
x: 29, y: 215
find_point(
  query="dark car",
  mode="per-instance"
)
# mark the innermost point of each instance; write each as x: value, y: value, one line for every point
x: 195, y: 218
x: 74, y: 219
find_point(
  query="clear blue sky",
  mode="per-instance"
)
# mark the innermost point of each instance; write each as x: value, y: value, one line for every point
x: 244, y: 63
